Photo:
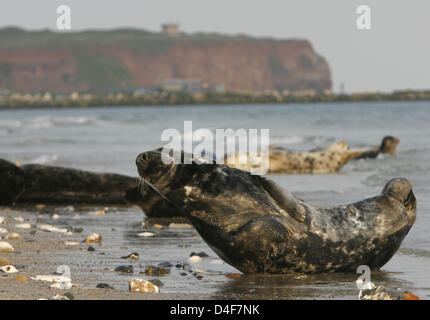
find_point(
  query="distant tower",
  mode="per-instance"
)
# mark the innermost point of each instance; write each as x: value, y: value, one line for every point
x: 171, y: 29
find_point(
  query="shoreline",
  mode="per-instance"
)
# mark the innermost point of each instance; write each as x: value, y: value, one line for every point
x: 24, y: 102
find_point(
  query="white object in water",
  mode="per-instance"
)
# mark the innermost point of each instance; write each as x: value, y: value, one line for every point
x: 8, y: 269
x: 145, y: 234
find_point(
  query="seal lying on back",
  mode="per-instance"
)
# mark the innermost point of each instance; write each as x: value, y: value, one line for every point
x: 281, y: 160
x: 255, y: 226
x: 388, y: 146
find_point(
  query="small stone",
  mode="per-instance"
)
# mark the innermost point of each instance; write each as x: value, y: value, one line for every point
x: 69, y: 295
x: 132, y: 256
x: 19, y: 219
x: 69, y: 209
x: 3, y: 230
x: 137, y: 285
x: 56, y: 216
x: 201, y: 254
x: 194, y: 259
x: 1, y: 220
x: 40, y: 206
x: 71, y: 243
x: 175, y: 225
x: 158, y: 226
x: 145, y: 234
x: 124, y: 269
x: 5, y: 247
x: 4, y: 262
x: 91, y: 249
x: 59, y: 297
x: 23, y: 226
x: 95, y: 237
x: 104, y: 286
x: 154, y: 271
x: 13, y: 236
x: 20, y: 278
x: 99, y: 212
x: 8, y: 269
x: 49, y: 228
x: 409, y: 296
x: 183, y: 274
x: 165, y: 265
x: 77, y: 230
x: 157, y: 282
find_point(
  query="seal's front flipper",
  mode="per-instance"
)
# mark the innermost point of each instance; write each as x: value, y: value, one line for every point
x: 284, y: 199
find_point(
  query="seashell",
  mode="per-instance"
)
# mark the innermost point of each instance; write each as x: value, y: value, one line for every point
x: 137, y: 285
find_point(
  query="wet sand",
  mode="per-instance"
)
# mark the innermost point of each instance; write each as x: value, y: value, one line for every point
x: 39, y: 252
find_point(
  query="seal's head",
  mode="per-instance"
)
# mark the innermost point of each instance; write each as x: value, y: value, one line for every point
x: 400, y: 189
x: 389, y: 145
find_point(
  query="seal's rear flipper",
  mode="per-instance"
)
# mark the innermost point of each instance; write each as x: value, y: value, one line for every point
x: 284, y: 199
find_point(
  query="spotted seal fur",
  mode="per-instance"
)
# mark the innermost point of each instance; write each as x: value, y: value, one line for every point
x: 257, y: 227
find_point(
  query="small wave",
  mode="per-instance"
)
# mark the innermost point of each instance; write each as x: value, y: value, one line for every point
x: 415, y: 252
x: 44, y: 159
x: 289, y: 140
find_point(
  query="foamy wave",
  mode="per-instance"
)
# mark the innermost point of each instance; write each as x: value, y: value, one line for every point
x: 44, y: 159
x: 43, y: 122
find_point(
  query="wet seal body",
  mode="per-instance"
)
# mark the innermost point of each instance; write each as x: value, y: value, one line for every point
x: 281, y: 160
x: 257, y: 227
x: 34, y: 183
x: 388, y: 146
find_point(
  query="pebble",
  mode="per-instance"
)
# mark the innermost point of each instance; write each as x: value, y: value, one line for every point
x: 158, y: 226
x: 194, y: 259
x: 39, y: 206
x: 137, y: 285
x: 66, y: 296
x: 8, y: 269
x: 175, y: 225
x: 56, y: 216
x: 104, y: 286
x: 95, y: 237
x: 4, y: 262
x: 145, y: 234
x: 71, y: 243
x: 201, y: 254
x: 77, y: 230
x: 13, y: 236
x: 23, y: 226
x: 3, y: 230
x: 1, y: 220
x: 49, y: 228
x: 165, y: 265
x: 154, y: 271
x: 20, y: 278
x: 157, y: 282
x: 124, y: 269
x: 99, y: 212
x: 19, y: 219
x: 91, y: 248
x: 5, y: 247
x: 408, y: 296
x: 132, y: 256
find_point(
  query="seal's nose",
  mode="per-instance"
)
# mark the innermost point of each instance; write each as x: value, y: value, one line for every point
x: 141, y: 160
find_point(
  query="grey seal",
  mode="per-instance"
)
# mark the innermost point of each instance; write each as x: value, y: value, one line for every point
x: 257, y: 227
x: 388, y: 146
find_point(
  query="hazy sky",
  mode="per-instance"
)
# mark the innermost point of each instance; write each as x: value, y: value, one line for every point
x: 394, y: 54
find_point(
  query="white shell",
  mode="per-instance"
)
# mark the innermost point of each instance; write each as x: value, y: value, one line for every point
x: 23, y: 226
x: 5, y: 247
x: 145, y: 234
x: 8, y: 269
